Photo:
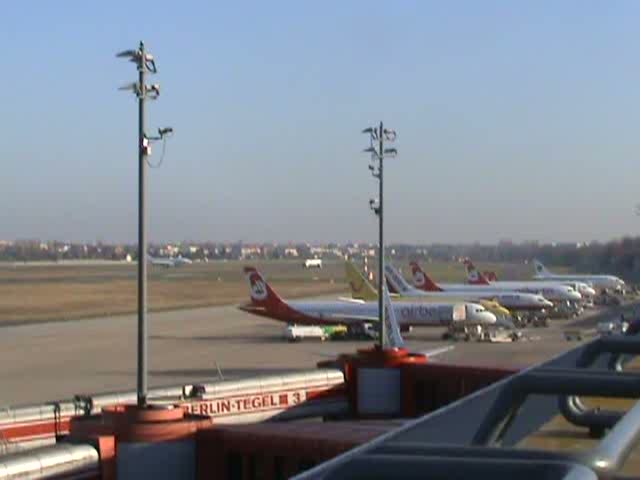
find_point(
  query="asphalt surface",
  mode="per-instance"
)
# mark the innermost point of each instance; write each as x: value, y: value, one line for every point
x: 39, y: 363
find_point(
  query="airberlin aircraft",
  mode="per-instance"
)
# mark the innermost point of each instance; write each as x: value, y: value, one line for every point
x: 362, y: 290
x: 553, y: 293
x: 598, y: 281
x: 509, y: 299
x: 474, y: 277
x: 267, y: 303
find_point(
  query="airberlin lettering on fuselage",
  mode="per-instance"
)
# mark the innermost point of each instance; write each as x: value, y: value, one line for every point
x: 413, y: 313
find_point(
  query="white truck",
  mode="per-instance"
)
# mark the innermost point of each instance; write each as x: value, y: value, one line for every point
x: 313, y: 263
x: 297, y: 333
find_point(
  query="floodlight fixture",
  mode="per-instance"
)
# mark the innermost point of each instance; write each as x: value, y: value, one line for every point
x: 128, y: 53
x: 390, y: 135
x: 130, y: 86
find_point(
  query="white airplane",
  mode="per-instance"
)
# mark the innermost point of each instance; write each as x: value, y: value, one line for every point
x: 169, y: 262
x: 511, y: 300
x: 554, y: 293
x: 598, y: 281
x: 475, y: 277
x: 266, y: 302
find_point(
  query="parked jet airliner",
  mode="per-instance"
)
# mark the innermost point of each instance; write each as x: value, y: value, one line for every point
x: 362, y: 290
x: 598, y: 281
x: 554, y: 293
x: 510, y: 299
x: 267, y: 303
x: 475, y: 277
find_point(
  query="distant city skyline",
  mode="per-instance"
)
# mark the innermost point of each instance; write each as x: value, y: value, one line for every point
x: 514, y: 121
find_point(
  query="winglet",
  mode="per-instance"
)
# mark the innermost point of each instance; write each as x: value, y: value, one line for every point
x: 422, y: 281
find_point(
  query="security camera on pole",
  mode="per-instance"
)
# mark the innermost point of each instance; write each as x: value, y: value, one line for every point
x: 377, y: 137
x: 145, y: 63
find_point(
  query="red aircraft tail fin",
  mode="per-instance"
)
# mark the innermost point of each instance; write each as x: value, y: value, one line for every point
x: 421, y: 280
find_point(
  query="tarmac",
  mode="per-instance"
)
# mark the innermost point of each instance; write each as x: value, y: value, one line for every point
x: 51, y: 361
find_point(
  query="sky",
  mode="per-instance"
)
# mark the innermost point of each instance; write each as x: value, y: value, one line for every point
x: 515, y: 120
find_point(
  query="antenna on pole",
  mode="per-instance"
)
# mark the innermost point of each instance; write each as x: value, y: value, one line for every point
x: 145, y: 64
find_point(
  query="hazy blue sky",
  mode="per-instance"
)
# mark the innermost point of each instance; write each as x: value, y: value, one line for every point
x: 515, y: 120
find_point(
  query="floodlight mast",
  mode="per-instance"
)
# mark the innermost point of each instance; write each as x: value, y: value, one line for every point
x: 378, y: 135
x: 145, y: 63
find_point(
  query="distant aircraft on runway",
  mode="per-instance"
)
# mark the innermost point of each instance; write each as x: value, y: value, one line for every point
x: 267, y: 303
x: 553, y: 293
x: 598, y: 281
x: 474, y: 277
x: 169, y: 262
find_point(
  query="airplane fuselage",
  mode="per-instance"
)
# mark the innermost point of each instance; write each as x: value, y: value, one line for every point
x: 598, y: 281
x: 553, y: 292
x: 407, y: 313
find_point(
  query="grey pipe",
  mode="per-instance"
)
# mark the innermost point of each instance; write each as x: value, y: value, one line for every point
x: 45, y: 462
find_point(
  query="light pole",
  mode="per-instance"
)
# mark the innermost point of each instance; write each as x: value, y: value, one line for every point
x: 377, y: 137
x: 145, y: 64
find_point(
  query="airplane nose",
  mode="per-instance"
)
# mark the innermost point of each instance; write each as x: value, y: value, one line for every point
x: 490, y: 317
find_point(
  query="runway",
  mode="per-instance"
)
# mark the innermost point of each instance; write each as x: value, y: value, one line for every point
x: 54, y: 361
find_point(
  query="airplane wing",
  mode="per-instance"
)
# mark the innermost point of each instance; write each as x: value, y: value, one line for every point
x: 351, y: 300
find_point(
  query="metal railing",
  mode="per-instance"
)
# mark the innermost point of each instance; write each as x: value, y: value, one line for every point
x: 492, y: 421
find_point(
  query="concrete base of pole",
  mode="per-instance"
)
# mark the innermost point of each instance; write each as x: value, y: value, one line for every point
x: 150, y: 442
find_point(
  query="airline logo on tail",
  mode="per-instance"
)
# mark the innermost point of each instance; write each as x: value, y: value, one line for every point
x: 258, y: 287
x: 473, y: 275
x: 418, y: 278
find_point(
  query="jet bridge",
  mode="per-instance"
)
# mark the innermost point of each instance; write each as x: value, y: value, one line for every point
x: 483, y: 435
